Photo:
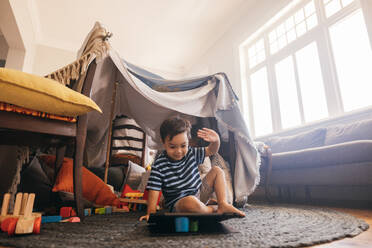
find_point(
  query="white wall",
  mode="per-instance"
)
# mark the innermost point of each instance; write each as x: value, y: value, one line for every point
x: 3, y: 47
x: 12, y: 35
x: 224, y: 55
x: 49, y: 59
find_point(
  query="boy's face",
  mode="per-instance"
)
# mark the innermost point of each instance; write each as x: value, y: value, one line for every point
x: 177, y: 147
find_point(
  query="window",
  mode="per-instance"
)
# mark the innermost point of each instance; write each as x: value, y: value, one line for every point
x: 311, y: 83
x: 261, y: 102
x: 333, y: 6
x: 256, y: 53
x: 287, y: 90
x: 353, y: 58
x: 307, y: 65
x: 296, y: 25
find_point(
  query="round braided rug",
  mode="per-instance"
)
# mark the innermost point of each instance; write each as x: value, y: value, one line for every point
x: 263, y: 226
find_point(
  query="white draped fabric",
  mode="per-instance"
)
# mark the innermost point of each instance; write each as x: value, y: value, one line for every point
x: 149, y: 105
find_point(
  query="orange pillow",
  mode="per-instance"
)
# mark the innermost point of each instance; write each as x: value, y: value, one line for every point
x: 94, y: 189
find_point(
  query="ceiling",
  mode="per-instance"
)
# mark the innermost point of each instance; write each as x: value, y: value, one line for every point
x: 163, y: 35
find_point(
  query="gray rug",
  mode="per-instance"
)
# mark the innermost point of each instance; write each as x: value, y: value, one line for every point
x: 264, y: 226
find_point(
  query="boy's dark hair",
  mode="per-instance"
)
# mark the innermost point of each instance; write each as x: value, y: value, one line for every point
x: 173, y: 126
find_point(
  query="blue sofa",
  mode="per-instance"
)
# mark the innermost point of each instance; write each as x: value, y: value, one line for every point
x: 326, y: 165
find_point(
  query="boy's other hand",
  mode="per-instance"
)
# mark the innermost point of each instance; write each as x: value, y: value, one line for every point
x: 145, y: 217
x: 208, y: 135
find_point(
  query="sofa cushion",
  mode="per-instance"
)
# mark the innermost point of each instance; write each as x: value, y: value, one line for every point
x: 304, y: 140
x: 359, y: 130
x: 333, y: 155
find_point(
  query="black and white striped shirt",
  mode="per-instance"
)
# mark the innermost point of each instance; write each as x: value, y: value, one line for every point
x: 177, y: 179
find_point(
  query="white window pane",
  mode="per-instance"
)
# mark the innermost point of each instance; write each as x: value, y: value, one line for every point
x: 287, y: 92
x: 280, y: 29
x: 309, y: 9
x: 272, y: 36
x: 274, y: 47
x: 261, y: 56
x: 252, y: 62
x: 346, y: 2
x: 311, y: 22
x: 251, y: 52
x: 289, y: 23
x: 282, y: 42
x: 332, y: 7
x: 300, y: 29
x: 291, y: 35
x: 353, y: 58
x: 260, y: 44
x: 261, y: 103
x: 311, y: 83
x: 299, y: 16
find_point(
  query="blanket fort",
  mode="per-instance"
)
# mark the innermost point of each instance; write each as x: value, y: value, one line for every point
x: 149, y: 99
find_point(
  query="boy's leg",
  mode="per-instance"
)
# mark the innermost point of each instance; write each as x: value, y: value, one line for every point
x: 216, y: 179
x: 192, y: 204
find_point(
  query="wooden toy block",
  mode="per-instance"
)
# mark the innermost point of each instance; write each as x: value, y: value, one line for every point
x: 25, y: 222
x: 108, y: 210
x: 23, y: 204
x: 73, y: 213
x: 9, y: 222
x: 194, y: 226
x: 4, y: 207
x: 181, y: 224
x: 65, y: 212
x: 87, y: 212
x: 51, y: 219
x: 100, y: 211
x: 71, y: 219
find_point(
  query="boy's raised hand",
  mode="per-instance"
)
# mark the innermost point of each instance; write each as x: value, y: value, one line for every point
x: 208, y: 135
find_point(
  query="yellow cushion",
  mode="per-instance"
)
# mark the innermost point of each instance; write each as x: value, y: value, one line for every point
x: 42, y: 94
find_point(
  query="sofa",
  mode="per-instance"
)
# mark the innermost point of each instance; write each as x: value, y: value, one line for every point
x: 325, y: 165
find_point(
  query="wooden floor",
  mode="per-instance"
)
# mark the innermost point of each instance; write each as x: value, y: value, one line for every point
x: 363, y: 240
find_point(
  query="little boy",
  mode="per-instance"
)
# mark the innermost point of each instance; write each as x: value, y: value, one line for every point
x: 175, y: 172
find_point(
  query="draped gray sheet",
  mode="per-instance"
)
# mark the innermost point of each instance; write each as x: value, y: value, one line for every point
x: 150, y: 99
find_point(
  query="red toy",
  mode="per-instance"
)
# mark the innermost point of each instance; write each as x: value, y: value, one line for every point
x: 130, y: 196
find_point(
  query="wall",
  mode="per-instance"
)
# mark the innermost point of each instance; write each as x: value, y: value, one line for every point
x: 3, y: 47
x: 10, y: 30
x: 16, y: 26
x: 224, y: 55
x: 49, y: 59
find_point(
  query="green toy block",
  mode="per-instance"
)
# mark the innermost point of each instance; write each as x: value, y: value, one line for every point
x: 194, y: 226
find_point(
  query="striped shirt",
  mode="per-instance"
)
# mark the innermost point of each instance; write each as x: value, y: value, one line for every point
x: 177, y: 179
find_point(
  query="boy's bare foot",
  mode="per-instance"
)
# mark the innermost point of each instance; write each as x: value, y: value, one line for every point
x: 228, y: 208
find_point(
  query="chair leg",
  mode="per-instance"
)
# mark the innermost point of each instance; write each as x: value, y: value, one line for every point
x: 60, y: 154
x: 269, y: 168
x: 78, y: 163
